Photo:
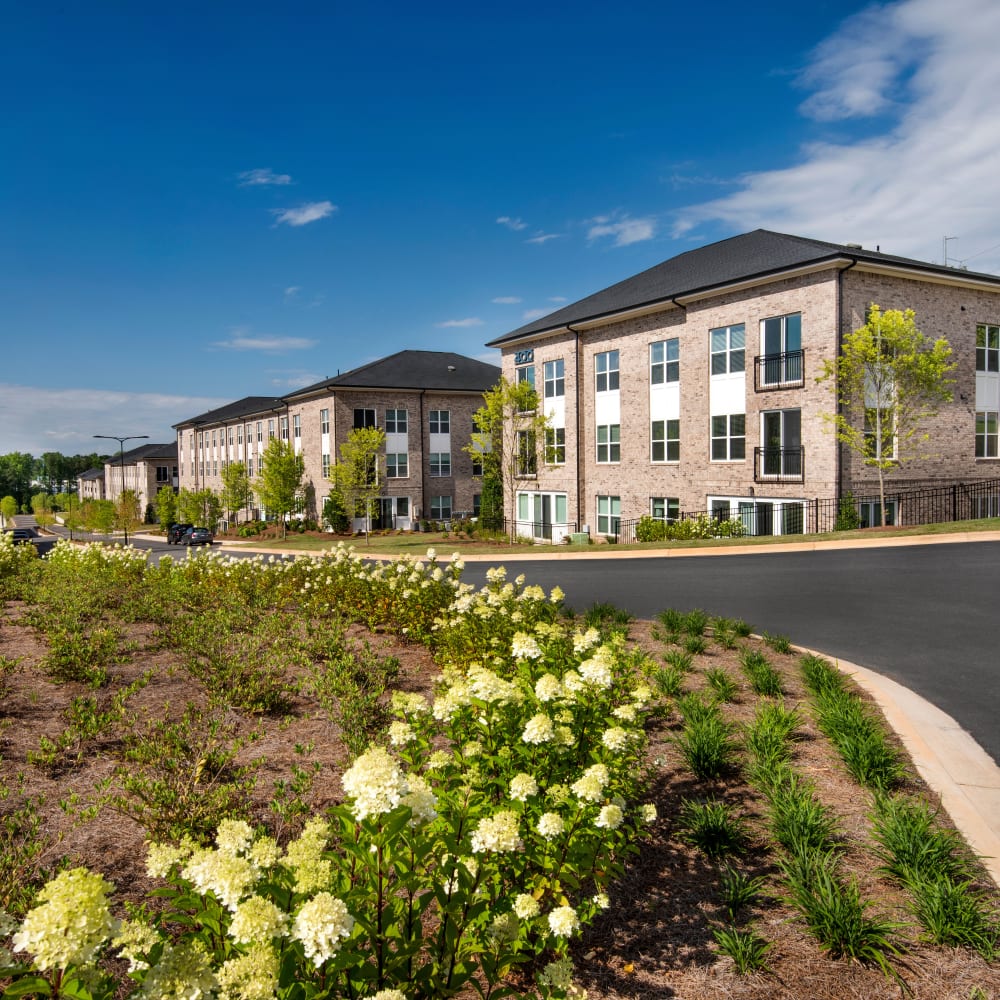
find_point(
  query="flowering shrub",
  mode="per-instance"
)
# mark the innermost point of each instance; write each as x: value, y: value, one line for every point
x: 15, y: 561
x: 651, y: 529
x: 484, y: 834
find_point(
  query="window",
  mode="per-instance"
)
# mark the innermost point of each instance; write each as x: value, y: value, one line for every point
x: 781, y: 436
x: 555, y: 445
x: 440, y: 463
x: 162, y: 474
x: 249, y: 466
x: 363, y: 418
x: 326, y: 466
x: 986, y: 506
x: 527, y: 453
x: 324, y: 421
x: 260, y: 464
x: 879, y: 423
x: 665, y: 441
x: 396, y: 466
x: 440, y: 421
x: 609, y: 510
x: 555, y: 379
x: 477, y: 504
x: 395, y: 421
x: 440, y: 508
x: 215, y: 467
x: 665, y: 508
x: 239, y: 434
x: 606, y: 371
x: 729, y: 437
x: 260, y: 431
x: 609, y: 443
x: 213, y: 439
x: 525, y: 373
x: 987, y: 348
x: 297, y: 426
x: 283, y: 427
x: 270, y: 429
x: 230, y: 435
x: 871, y: 513
x: 477, y: 466
x: 402, y: 506
x: 728, y: 349
x: 664, y: 361
x: 986, y: 434
x: 781, y: 342
x: 249, y: 434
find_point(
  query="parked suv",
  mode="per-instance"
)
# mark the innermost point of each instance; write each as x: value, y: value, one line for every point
x: 176, y: 531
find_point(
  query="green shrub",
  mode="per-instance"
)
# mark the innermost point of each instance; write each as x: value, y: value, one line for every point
x: 745, y: 947
x: 763, y: 678
x: 722, y: 684
x: 707, y: 745
x: 712, y: 826
x: 738, y: 890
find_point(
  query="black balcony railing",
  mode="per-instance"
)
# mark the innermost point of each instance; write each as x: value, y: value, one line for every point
x: 779, y: 371
x: 772, y: 465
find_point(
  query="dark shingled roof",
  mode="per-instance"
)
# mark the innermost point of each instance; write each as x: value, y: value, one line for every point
x: 759, y: 254
x: 414, y: 370
x: 91, y: 474
x: 231, y: 411
x: 147, y: 451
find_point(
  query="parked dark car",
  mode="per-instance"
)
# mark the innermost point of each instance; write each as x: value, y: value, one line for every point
x: 176, y: 531
x: 197, y: 536
x: 20, y: 536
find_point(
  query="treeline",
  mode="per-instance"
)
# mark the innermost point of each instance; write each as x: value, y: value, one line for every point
x: 22, y: 476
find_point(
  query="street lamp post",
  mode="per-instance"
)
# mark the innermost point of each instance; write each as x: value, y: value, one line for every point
x: 121, y: 452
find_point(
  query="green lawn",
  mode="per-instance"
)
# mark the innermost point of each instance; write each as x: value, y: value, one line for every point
x: 418, y: 543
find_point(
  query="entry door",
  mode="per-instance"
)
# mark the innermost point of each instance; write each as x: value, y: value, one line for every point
x: 783, y: 443
x: 542, y: 515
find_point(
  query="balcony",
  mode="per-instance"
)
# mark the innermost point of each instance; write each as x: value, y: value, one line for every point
x: 779, y: 371
x: 779, y: 465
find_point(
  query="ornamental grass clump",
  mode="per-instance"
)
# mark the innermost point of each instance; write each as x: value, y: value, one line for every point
x: 712, y: 826
x: 760, y: 672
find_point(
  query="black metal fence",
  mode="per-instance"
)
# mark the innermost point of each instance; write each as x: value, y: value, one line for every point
x: 935, y: 505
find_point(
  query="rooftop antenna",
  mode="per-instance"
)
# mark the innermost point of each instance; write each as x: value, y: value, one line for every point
x: 944, y: 248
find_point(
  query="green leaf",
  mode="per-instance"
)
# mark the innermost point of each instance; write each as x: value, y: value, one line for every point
x: 27, y: 986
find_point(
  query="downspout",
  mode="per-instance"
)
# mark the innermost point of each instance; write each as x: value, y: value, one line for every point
x: 576, y: 430
x: 840, y: 344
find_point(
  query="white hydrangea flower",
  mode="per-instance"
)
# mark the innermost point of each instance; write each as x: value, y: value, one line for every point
x: 421, y: 800
x: 582, y: 641
x: 522, y: 787
x: 590, y: 787
x: 233, y: 836
x: 551, y: 825
x: 538, y: 729
x: 389, y: 995
x: 320, y: 925
x: 601, y: 901
x: 548, y: 688
x: 610, y: 817
x: 401, y: 733
x: 647, y: 812
x: 229, y: 876
x: 526, y: 906
x: 257, y: 919
x: 183, y: 972
x: 253, y: 976
x: 563, y: 921
x: 498, y: 833
x: 524, y: 647
x: 615, y: 738
x: 625, y: 713
x: 597, y: 671
x: 161, y: 858
x: 133, y: 939
x: 558, y: 974
x: 491, y: 688
x: 375, y: 783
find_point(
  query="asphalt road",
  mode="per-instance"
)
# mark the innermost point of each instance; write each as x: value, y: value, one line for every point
x: 928, y: 616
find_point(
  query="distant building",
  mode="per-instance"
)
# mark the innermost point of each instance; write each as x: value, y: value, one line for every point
x: 90, y: 485
x: 146, y: 469
x: 423, y: 400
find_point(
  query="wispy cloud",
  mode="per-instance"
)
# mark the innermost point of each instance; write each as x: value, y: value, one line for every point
x: 302, y: 215
x: 506, y: 300
x: 242, y: 340
x: 292, y: 291
x: 543, y: 238
x: 557, y: 298
x: 468, y: 321
x: 931, y: 70
x: 534, y: 313
x: 294, y: 380
x: 37, y: 419
x: 624, y: 230
x: 263, y: 177
x: 516, y: 224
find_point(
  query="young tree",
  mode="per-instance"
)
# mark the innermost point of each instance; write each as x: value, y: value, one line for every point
x: 237, y: 491
x: 166, y: 506
x: 128, y: 514
x: 8, y: 507
x: 509, y: 439
x: 199, y: 507
x: 890, y: 380
x: 99, y: 515
x: 279, y: 486
x: 355, y: 476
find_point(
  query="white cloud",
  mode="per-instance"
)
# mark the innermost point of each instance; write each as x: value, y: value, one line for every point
x: 557, y: 298
x: 294, y: 380
x: 931, y: 68
x: 263, y: 176
x: 624, y: 229
x: 516, y: 224
x: 506, y: 300
x: 292, y: 290
x: 37, y: 419
x: 543, y: 238
x: 468, y: 321
x: 534, y: 313
x: 244, y: 341
x: 311, y: 211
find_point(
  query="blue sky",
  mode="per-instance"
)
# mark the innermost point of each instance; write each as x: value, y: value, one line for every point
x: 220, y: 200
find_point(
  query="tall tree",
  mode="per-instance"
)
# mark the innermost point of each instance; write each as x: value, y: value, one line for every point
x: 279, y: 485
x: 890, y: 380
x: 16, y: 473
x: 509, y: 440
x: 237, y: 491
x: 128, y: 512
x: 199, y: 507
x: 355, y: 476
x: 166, y: 506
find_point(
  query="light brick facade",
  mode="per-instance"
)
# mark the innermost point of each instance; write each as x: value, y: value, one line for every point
x: 790, y: 454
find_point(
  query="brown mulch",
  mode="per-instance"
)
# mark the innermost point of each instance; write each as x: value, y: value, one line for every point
x: 654, y: 941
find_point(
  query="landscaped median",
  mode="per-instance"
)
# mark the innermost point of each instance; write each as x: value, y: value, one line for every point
x: 327, y: 777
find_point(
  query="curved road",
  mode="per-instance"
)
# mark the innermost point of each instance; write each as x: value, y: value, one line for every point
x: 928, y: 616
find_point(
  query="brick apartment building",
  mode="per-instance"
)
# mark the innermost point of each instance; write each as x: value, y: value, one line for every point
x: 692, y: 386
x: 423, y: 400
x: 146, y: 470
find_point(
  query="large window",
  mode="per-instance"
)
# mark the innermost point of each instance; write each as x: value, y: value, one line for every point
x: 395, y: 421
x: 270, y: 428
x: 440, y: 463
x: 664, y: 361
x: 555, y: 379
x: 324, y: 421
x: 440, y: 421
x: 527, y: 453
x: 665, y: 441
x: 525, y: 373
x: 326, y: 466
x: 440, y: 508
x: 162, y: 474
x: 781, y: 345
x: 609, y: 511
x: 987, y: 348
x: 880, y: 434
x: 555, y: 445
x: 283, y: 427
x: 364, y: 417
x: 728, y: 345
x: 609, y: 447
x: 729, y: 437
x: 606, y: 371
x: 297, y: 426
x: 871, y: 513
x: 260, y: 431
x: 986, y: 433
x: 665, y: 508
x: 396, y: 466
x: 781, y: 433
